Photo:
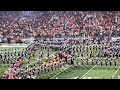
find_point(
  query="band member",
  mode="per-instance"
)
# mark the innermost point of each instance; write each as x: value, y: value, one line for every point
x: 77, y: 49
x: 41, y: 69
x: 55, y: 55
x: 5, y: 56
x: 87, y: 49
x: 87, y: 61
x: 90, y: 54
x: 8, y: 55
x: 51, y: 67
x: 81, y: 54
x: 4, y: 60
x: 115, y: 62
x: 48, y: 55
x: 106, y: 61
x: 87, y: 55
x: 101, y: 61
x: 99, y: 48
x: 18, y: 53
x: 38, y: 71
x: 42, y: 54
x: 92, y: 61
x: 93, y: 47
x: 77, y: 62
x: 55, y: 65
x: 90, y: 48
x: 102, y: 48
x: 81, y: 61
x: 119, y: 55
x: 33, y: 54
x: 63, y: 63
x: 96, y: 47
x: 8, y: 61
x: 96, y: 61
x: 45, y: 68
x: 15, y: 53
x: 72, y: 61
x: 110, y: 61
x: 60, y: 64
x: 1, y: 56
x: 98, y: 54
x: 39, y: 58
x: 80, y: 49
x: 69, y: 59
x: 105, y: 47
x: 34, y: 70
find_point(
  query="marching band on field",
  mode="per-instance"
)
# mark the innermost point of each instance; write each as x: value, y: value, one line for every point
x: 105, y: 55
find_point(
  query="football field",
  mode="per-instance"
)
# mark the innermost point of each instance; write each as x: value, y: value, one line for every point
x: 70, y: 71
x: 94, y: 72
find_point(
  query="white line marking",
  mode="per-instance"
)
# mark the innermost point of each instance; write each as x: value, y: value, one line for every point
x: 115, y: 72
x: 60, y: 72
x: 88, y: 72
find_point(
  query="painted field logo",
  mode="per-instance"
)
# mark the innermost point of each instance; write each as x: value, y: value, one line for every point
x: 90, y: 78
x: 87, y: 78
x: 75, y: 78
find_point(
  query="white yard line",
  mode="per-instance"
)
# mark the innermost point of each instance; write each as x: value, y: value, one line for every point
x: 60, y: 72
x: 88, y: 72
x: 115, y: 72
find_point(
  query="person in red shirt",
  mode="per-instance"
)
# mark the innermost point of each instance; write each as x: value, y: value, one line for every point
x: 20, y: 63
x: 10, y: 76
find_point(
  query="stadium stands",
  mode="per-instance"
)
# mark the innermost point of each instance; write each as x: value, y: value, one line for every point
x: 18, y: 25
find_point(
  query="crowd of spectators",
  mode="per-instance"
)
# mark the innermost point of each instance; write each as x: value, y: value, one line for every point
x: 17, y: 25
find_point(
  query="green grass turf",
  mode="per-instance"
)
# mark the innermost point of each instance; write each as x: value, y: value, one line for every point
x: 78, y: 71
x: 97, y: 72
x: 3, y: 68
x: 11, y: 48
x: 116, y: 75
x: 101, y: 72
x: 73, y: 72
